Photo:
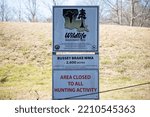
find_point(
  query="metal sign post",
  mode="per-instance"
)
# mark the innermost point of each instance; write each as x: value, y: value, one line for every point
x: 75, y: 29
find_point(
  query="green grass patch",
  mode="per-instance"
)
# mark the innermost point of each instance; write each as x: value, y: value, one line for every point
x: 120, y: 79
x: 125, y: 78
x: 121, y: 69
x: 24, y: 50
x: 124, y: 57
x: 105, y: 61
x: 22, y: 78
x: 119, y: 61
x: 127, y: 56
x: 6, y: 95
x: 147, y: 65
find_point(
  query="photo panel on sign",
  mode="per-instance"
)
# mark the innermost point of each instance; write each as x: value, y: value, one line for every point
x: 75, y: 28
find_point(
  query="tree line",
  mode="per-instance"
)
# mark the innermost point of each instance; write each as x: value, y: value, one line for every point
x: 121, y: 12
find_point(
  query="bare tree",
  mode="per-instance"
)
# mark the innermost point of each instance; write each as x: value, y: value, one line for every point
x: 132, y: 4
x: 32, y: 9
x: 144, y: 14
x: 102, y: 8
x: 2, y: 10
x: 5, y: 13
x: 116, y: 11
x: 49, y: 5
x: 138, y: 12
x: 19, y: 10
x: 121, y: 12
x: 141, y: 13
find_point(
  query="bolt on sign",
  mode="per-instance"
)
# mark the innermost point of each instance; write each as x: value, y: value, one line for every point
x: 75, y: 29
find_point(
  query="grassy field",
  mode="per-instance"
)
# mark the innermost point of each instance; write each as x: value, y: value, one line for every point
x: 25, y: 61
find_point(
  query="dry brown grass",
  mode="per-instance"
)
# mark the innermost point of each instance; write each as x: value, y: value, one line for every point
x: 127, y: 49
x: 25, y: 61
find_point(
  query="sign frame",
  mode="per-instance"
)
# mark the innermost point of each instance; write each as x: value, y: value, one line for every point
x: 77, y: 50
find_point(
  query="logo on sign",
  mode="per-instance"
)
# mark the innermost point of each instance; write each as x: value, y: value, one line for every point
x: 75, y: 19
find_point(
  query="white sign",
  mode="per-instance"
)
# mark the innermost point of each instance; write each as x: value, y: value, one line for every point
x: 75, y: 84
x: 76, y: 61
x: 75, y: 28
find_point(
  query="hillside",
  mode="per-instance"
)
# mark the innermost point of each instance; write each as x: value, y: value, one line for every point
x: 25, y: 61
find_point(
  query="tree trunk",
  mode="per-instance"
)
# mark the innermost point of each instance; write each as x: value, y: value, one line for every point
x: 3, y: 10
x: 121, y: 12
x: 82, y: 26
x: 132, y: 13
x: 20, y: 12
x: 33, y: 18
x: 117, y: 11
